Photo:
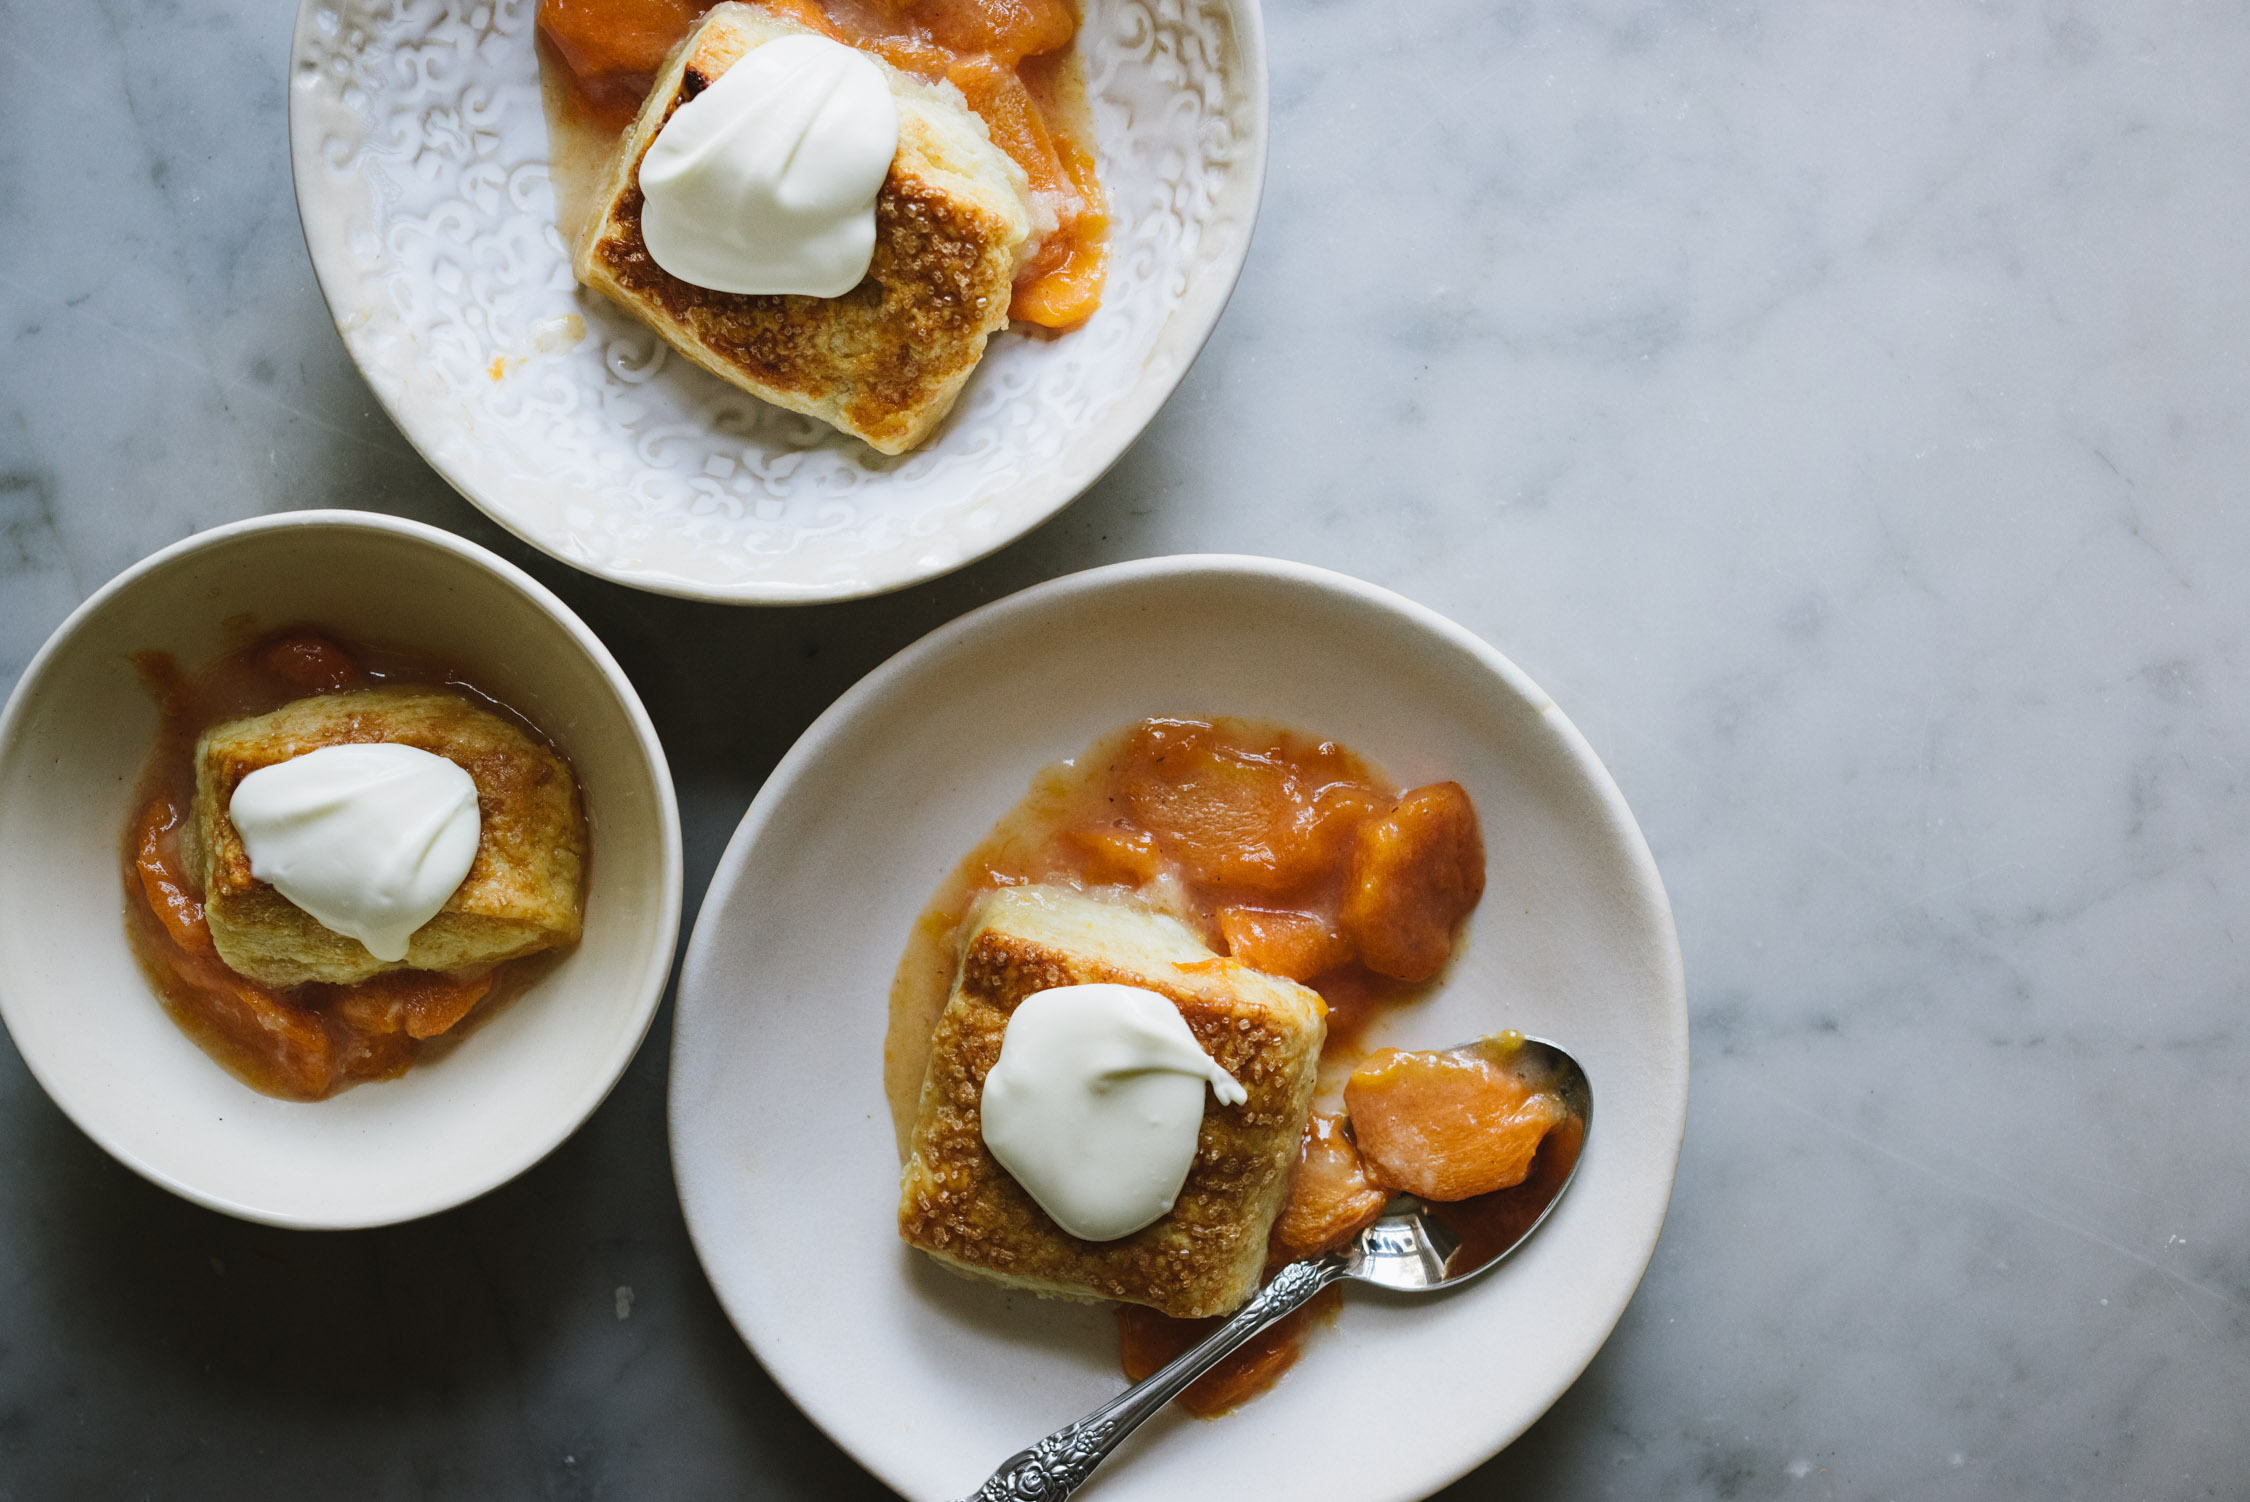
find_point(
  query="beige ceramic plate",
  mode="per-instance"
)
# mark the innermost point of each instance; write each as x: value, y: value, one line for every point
x: 781, y: 1138
x: 421, y: 161
x: 72, y: 743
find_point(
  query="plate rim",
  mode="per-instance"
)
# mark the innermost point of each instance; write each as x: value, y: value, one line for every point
x: 663, y: 954
x: 1141, y: 402
x: 811, y: 744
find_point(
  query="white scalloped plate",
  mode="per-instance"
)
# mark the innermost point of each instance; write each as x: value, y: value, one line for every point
x: 781, y: 1138
x: 419, y: 149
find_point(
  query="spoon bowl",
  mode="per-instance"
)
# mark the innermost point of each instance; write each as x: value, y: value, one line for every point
x: 1414, y: 1247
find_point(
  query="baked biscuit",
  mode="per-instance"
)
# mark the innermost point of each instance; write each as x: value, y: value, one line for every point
x: 884, y: 362
x: 524, y: 891
x: 1205, y: 1257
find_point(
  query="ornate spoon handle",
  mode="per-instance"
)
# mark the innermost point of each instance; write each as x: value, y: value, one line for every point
x: 1059, y: 1464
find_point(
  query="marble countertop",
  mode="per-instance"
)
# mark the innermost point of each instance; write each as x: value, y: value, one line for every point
x: 1843, y: 411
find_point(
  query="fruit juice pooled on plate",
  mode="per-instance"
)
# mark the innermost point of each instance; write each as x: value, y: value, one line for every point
x: 1012, y: 60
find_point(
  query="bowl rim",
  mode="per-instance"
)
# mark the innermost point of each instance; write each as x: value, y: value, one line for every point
x: 656, y: 974
x: 1135, y: 411
x: 884, y: 679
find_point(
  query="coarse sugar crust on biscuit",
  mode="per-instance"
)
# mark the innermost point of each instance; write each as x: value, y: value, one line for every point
x: 1205, y: 1257
x: 524, y: 891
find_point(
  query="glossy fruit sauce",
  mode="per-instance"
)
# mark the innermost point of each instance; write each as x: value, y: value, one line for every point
x: 1287, y: 852
x: 298, y: 1042
x: 1012, y: 60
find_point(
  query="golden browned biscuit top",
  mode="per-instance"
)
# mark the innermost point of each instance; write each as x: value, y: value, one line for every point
x: 524, y: 890
x: 918, y: 319
x: 1206, y: 1255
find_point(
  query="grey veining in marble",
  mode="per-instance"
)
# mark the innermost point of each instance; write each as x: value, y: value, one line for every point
x: 1843, y: 410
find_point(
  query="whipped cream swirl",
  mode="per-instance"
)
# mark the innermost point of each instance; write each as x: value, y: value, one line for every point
x: 1095, y: 1103
x: 370, y: 840
x: 765, y: 182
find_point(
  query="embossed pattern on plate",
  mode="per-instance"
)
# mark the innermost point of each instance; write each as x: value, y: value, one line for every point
x: 419, y: 148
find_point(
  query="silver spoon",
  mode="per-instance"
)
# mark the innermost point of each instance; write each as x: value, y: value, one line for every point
x: 1412, y: 1247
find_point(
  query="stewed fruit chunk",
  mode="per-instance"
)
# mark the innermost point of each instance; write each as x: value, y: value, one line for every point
x: 1448, y: 1126
x: 1416, y: 872
x: 1330, y: 1198
x: 1115, y: 854
x: 1257, y: 817
x: 601, y: 39
x: 1295, y: 946
x: 1230, y: 815
x: 418, y: 1003
x: 1010, y: 30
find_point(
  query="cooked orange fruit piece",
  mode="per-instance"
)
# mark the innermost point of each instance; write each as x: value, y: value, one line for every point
x: 1416, y: 873
x: 599, y: 38
x: 1010, y: 30
x: 418, y: 1003
x: 1294, y: 946
x: 168, y: 897
x: 1117, y: 854
x: 1330, y: 1198
x: 286, y: 1045
x: 1235, y: 815
x: 1229, y: 815
x: 1447, y: 1126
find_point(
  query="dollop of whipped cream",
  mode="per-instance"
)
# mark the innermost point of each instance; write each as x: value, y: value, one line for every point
x: 766, y: 181
x: 1095, y: 1102
x: 371, y: 840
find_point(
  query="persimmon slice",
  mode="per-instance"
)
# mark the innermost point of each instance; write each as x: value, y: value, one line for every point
x: 1447, y: 1126
x: 1225, y: 813
x: 1235, y: 815
x: 418, y: 1003
x: 175, y: 907
x: 1416, y: 873
x: 1331, y: 1196
x: 600, y: 39
x: 1294, y: 946
x: 1009, y: 30
x: 1116, y: 854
